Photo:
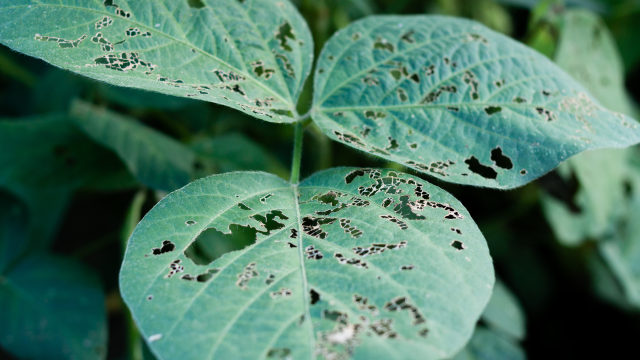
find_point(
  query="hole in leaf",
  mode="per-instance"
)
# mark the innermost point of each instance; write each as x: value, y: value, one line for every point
x: 490, y: 110
x: 280, y: 354
x: 476, y: 167
x: 206, y: 276
x: 501, y: 160
x: 458, y: 245
x: 314, y: 296
x: 196, y: 4
x: 190, y: 222
x: 211, y: 243
x: 407, y: 267
x: 285, y: 30
x: 243, y: 206
x: 167, y: 246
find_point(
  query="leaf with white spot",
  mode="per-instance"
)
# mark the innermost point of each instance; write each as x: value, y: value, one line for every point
x: 349, y: 264
x: 457, y: 101
x: 252, y: 55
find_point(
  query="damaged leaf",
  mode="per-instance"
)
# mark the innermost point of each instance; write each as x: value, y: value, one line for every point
x: 476, y: 107
x: 202, y: 52
x: 330, y: 272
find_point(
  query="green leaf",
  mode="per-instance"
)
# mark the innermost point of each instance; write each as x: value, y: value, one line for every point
x: 234, y: 152
x: 157, y: 160
x: 136, y: 99
x: 621, y: 252
x: 13, y: 225
x: 595, y: 207
x: 351, y: 263
x: 46, y: 300
x: 587, y: 51
x: 488, y: 345
x: 44, y: 159
x: 252, y: 55
x: 455, y: 100
x: 504, y: 313
x: 52, y: 308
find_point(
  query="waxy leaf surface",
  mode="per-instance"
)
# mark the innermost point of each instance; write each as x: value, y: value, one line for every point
x: 252, y: 55
x: 457, y: 101
x: 351, y: 263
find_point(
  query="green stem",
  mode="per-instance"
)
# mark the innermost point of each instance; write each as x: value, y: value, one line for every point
x: 297, y: 153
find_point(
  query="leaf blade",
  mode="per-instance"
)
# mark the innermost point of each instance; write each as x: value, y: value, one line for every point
x: 306, y: 269
x: 453, y: 99
x: 252, y: 55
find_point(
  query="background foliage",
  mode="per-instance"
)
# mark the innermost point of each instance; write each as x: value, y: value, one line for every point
x: 566, y: 245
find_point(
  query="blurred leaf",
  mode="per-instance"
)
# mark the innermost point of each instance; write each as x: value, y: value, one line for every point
x: 234, y: 152
x: 56, y: 89
x: 251, y: 56
x: 621, y: 252
x: 587, y: 51
x: 155, y: 159
x: 44, y: 159
x: 487, y: 12
x: 9, y: 67
x: 504, y: 313
x: 505, y: 114
x: 488, y: 345
x: 593, y: 5
x: 141, y: 99
x: 52, y: 308
x: 605, y: 283
x: 13, y: 226
x: 602, y: 175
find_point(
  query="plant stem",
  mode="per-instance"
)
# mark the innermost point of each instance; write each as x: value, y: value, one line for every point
x: 297, y: 153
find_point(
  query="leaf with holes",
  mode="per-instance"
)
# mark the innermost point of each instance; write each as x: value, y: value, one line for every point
x: 46, y: 300
x: 457, y: 101
x: 157, y: 160
x: 351, y: 263
x: 252, y: 55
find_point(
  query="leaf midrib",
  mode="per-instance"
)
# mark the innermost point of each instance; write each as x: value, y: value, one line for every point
x: 215, y: 58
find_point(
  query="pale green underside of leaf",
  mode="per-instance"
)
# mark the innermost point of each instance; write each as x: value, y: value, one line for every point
x: 46, y: 300
x: 489, y: 345
x: 588, y: 52
x: 504, y: 313
x: 157, y: 160
x: 317, y: 243
x: 451, y: 98
x: 251, y: 55
x: 601, y: 175
x: 621, y: 252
